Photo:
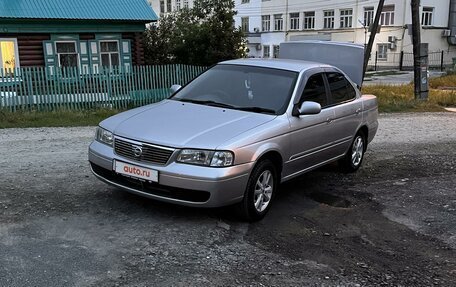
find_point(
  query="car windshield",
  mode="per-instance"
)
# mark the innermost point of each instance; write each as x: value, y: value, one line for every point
x: 256, y: 89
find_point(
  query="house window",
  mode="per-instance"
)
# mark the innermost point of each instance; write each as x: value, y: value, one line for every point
x: 168, y: 6
x: 382, y: 52
x: 275, y: 51
x: 178, y: 5
x: 368, y: 16
x: 266, y: 52
x: 245, y: 24
x: 185, y: 3
x: 294, y: 21
x: 427, y: 16
x: 245, y: 1
x: 387, y: 16
x: 9, y: 57
x: 109, y: 52
x: 346, y: 18
x: 67, y: 54
x: 162, y: 6
x: 265, y: 23
x: 278, y: 22
x: 328, y: 19
x: 309, y: 20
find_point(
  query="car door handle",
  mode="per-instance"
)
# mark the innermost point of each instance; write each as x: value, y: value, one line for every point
x: 329, y: 120
x: 358, y: 111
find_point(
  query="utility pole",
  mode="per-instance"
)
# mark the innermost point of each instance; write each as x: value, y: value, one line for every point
x: 420, y: 55
x: 373, y: 29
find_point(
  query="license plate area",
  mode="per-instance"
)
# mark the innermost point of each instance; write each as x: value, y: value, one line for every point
x: 135, y: 171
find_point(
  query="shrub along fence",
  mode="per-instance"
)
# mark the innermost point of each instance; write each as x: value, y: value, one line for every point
x: 38, y: 88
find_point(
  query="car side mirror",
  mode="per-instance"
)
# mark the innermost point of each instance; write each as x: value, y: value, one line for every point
x: 175, y: 88
x: 308, y: 108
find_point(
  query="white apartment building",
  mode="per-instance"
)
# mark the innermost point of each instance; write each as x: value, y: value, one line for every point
x: 270, y: 22
x: 162, y: 7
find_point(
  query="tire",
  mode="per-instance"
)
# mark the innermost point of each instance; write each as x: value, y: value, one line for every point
x: 355, y: 154
x: 260, y: 191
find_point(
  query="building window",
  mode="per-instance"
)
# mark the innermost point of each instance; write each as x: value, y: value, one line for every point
x: 245, y: 24
x: 346, y: 18
x: 275, y: 51
x: 309, y: 20
x: 178, y: 5
x: 185, y: 3
x: 245, y: 1
x: 109, y: 52
x: 266, y: 23
x: 278, y: 22
x: 266, y: 52
x: 162, y: 6
x: 328, y: 19
x: 294, y: 21
x: 387, y: 16
x: 9, y: 58
x: 67, y: 54
x: 427, y: 16
x: 382, y: 52
x: 368, y: 16
x: 168, y: 6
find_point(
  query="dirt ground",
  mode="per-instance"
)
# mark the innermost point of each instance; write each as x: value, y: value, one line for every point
x: 391, y: 224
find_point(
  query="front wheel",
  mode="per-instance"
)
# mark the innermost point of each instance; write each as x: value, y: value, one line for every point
x: 260, y: 191
x: 354, y: 157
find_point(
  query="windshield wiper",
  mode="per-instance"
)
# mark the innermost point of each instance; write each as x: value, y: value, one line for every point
x: 208, y: 103
x: 257, y: 110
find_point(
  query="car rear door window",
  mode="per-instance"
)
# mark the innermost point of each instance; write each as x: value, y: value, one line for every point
x: 315, y: 90
x: 341, y: 89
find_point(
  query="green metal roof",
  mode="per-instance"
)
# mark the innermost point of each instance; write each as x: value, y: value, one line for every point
x: 118, y: 10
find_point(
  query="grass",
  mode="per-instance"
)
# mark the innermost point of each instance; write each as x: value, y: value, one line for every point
x: 444, y: 81
x: 56, y: 118
x: 401, y: 99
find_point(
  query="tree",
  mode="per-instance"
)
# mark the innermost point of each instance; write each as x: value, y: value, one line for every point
x: 203, y: 35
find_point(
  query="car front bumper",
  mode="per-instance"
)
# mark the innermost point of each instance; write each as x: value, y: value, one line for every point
x: 178, y: 183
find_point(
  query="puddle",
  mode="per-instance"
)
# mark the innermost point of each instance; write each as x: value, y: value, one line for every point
x: 329, y: 199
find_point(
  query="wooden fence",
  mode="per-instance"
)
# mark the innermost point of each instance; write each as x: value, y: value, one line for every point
x: 38, y: 88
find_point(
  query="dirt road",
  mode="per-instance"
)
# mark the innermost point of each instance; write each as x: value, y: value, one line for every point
x: 392, y: 223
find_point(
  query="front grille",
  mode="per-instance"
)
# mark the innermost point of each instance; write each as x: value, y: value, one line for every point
x: 150, y: 153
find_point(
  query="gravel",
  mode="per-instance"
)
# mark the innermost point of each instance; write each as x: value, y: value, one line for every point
x: 392, y: 223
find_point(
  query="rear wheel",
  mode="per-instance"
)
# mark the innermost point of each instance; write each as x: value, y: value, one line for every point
x: 355, y: 155
x: 260, y: 191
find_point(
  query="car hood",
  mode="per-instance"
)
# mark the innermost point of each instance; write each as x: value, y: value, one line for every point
x: 178, y: 124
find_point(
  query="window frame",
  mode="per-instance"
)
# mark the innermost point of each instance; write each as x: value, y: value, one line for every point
x: 245, y: 21
x: 16, y: 52
x: 390, y: 15
x: 57, y: 54
x: 427, y: 16
x: 309, y: 20
x: 328, y: 19
x: 109, y: 53
x: 295, y: 20
x: 325, y: 83
x: 266, y: 23
x: 346, y: 20
x: 369, y: 14
x: 278, y: 22
x: 385, y: 47
x: 331, y: 101
x: 268, y: 54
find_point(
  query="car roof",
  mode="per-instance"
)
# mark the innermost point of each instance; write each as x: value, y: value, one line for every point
x: 282, y: 64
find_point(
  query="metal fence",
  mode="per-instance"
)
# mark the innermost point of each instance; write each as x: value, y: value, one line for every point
x: 404, y: 61
x: 39, y: 88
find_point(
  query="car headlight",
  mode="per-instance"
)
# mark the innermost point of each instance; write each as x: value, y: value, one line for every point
x: 206, y: 157
x: 104, y: 136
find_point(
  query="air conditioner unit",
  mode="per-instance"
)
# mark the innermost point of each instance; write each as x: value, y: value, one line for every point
x: 256, y: 30
x: 392, y: 39
x: 446, y: 33
x: 392, y: 46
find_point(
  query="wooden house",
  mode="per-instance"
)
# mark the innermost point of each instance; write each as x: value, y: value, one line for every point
x: 87, y: 34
